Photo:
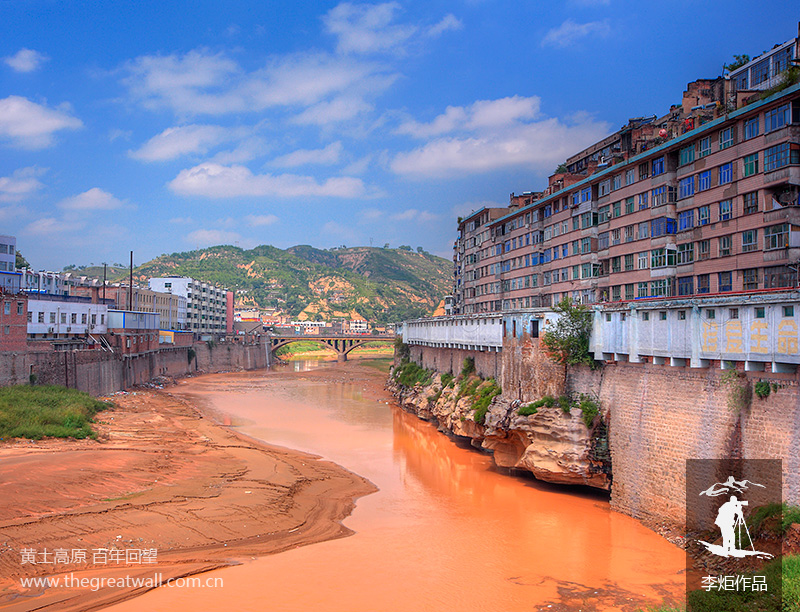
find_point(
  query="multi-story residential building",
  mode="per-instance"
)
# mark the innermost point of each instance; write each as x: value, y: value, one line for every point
x: 171, y: 307
x: 53, y: 317
x: 207, y: 306
x: 43, y: 282
x: 9, y: 277
x: 714, y: 210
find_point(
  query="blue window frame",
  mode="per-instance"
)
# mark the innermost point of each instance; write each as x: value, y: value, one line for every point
x: 776, y: 118
x: 704, y: 180
x: 685, y: 220
x: 751, y: 128
x: 726, y: 173
x: 686, y: 187
x: 658, y: 166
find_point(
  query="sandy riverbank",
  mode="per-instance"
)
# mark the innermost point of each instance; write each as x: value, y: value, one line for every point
x: 162, y: 476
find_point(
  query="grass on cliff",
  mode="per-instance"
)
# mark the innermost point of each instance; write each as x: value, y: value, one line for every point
x: 589, y: 407
x: 47, y: 411
x: 409, y: 374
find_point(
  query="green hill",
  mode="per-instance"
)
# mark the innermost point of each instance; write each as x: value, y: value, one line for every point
x: 381, y: 285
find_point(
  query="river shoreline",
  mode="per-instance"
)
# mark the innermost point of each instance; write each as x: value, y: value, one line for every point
x: 163, y: 475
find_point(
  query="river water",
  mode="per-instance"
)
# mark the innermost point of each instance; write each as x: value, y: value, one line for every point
x: 445, y: 531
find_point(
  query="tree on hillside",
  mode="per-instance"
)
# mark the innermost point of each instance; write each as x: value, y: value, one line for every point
x: 21, y: 262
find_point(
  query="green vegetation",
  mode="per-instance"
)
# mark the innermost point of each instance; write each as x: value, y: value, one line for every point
x: 447, y: 379
x: 486, y: 392
x: 738, y: 62
x: 740, y: 394
x: 46, y: 411
x: 401, y: 349
x: 21, y: 262
x: 589, y: 407
x: 301, y: 346
x: 773, y: 519
x: 409, y: 374
x: 789, y: 77
x: 762, y: 389
x: 468, y: 367
x: 191, y: 355
x: 567, y: 341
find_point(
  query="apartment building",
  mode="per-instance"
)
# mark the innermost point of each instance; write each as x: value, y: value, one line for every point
x: 9, y: 277
x: 714, y: 210
x: 207, y: 306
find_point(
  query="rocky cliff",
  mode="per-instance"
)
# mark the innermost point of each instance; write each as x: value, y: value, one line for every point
x: 553, y: 444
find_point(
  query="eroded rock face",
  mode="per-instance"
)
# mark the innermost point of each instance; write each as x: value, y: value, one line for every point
x: 553, y: 446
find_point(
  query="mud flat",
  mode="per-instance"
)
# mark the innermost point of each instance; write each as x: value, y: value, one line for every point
x: 162, y: 476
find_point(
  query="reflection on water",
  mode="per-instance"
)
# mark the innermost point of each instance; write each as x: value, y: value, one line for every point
x: 445, y: 531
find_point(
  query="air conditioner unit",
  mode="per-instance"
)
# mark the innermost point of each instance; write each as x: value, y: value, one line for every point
x: 50, y: 330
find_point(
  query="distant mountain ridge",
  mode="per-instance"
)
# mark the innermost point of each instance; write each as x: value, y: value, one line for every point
x: 379, y: 284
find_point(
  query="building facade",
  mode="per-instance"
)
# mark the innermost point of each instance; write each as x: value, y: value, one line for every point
x: 10, y: 280
x: 60, y: 317
x: 207, y: 306
x: 715, y: 210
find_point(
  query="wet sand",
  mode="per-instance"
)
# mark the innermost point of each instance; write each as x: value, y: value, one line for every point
x: 162, y: 476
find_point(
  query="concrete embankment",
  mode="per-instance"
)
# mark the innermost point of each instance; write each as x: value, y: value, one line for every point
x: 553, y: 444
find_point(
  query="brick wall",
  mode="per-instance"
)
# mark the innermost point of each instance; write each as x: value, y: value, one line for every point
x: 13, y: 322
x: 659, y: 416
x: 487, y: 364
x: 528, y: 373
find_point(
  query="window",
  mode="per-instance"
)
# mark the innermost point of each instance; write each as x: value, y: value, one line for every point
x: 660, y: 258
x: 644, y: 172
x: 6, y: 307
x: 629, y: 262
x: 83, y: 318
x: 776, y: 237
x: 725, y: 281
x: 733, y: 313
x: 751, y: 128
x: 576, y: 223
x: 586, y: 245
x: 726, y: 138
x: 685, y: 220
x: 629, y: 295
x: 725, y: 210
x: 726, y: 173
x: 711, y: 313
x: 686, y: 187
x: 788, y: 311
x: 616, y: 264
x: 703, y: 249
x: 645, y: 316
x: 642, y: 263
x: 704, y: 180
x: 658, y: 166
x: 586, y: 194
x: 628, y: 206
x: 685, y: 253
x: 686, y: 155
x: 643, y: 200
x: 629, y: 233
x: 751, y: 164
x: 74, y: 317
x: 760, y: 313
x: 662, y: 315
x: 603, y: 214
x: 661, y: 226
x: 662, y: 195
x: 749, y: 240
x: 617, y: 182
x: 602, y: 241
x: 63, y: 317
x: 779, y: 276
x: 630, y: 179
x: 725, y: 246
x: 704, y: 215
x: 641, y: 290
x: 643, y: 230
x: 604, y: 188
x: 705, y: 147
x: 685, y: 285
x: 750, y: 203
x: 776, y: 157
x: 661, y: 288
x: 776, y: 118
x: 617, y: 209
x: 682, y: 315
x: 750, y: 279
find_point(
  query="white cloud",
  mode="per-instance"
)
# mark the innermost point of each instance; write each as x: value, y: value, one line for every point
x: 21, y: 184
x: 449, y: 22
x: 247, y: 149
x: 540, y: 144
x: 182, y: 220
x: 483, y: 114
x: 94, y: 199
x: 570, y: 32
x: 412, y: 214
x: 28, y: 125
x: 260, y: 220
x: 48, y: 226
x: 117, y: 134
x: 212, y: 237
x: 178, y: 141
x: 327, y: 155
x: 217, y: 181
x: 14, y: 211
x: 203, y: 83
x: 333, y: 111
x: 365, y: 28
x: 371, y: 214
x: 26, y: 60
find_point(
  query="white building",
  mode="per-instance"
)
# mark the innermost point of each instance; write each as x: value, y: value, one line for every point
x: 57, y: 316
x: 9, y: 277
x: 43, y: 282
x: 206, y: 305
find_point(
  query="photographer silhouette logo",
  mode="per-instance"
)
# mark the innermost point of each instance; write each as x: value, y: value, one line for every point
x: 730, y: 520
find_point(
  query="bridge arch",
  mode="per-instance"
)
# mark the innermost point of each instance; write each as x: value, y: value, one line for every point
x: 342, y: 345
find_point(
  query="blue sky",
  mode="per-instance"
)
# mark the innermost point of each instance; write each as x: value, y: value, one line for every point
x: 166, y: 126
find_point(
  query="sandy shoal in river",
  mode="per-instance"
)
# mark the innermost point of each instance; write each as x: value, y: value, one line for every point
x: 162, y: 476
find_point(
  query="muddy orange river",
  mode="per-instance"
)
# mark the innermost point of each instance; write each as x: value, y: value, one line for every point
x: 445, y: 531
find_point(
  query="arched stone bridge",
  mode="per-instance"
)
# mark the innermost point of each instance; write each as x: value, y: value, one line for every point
x: 341, y: 343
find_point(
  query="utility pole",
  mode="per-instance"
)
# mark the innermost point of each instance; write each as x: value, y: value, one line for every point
x: 130, y: 285
x: 104, y: 282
